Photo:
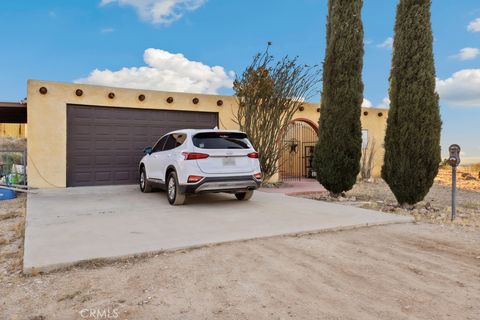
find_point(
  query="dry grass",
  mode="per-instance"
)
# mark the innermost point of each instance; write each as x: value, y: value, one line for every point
x: 10, y: 215
x: 12, y: 230
x: 467, y: 177
x: 471, y: 204
x: 11, y: 143
x: 18, y: 229
x: 69, y: 296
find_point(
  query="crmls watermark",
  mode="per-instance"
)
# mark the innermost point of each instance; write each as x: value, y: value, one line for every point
x: 90, y: 313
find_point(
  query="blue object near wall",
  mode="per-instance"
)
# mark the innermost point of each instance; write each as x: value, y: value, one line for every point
x: 7, y: 194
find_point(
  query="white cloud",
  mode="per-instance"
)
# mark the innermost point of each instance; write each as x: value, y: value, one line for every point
x: 468, y: 53
x: 462, y: 89
x: 384, y: 105
x: 107, y: 30
x: 159, y: 11
x: 387, y: 44
x: 474, y: 26
x: 366, y: 103
x: 167, y: 72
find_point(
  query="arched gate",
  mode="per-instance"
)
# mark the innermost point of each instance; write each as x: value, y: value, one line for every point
x: 297, y: 154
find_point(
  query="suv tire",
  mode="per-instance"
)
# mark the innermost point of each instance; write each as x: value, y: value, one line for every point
x: 244, y: 196
x: 145, y: 185
x: 175, y: 197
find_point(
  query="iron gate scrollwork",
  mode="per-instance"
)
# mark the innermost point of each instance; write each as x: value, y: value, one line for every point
x: 297, y: 153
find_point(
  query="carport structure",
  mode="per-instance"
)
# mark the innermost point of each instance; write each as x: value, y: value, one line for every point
x: 13, y: 112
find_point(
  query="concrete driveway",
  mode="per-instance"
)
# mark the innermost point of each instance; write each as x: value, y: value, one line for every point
x: 67, y: 226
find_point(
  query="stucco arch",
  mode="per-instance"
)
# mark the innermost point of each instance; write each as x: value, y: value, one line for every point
x: 307, y: 121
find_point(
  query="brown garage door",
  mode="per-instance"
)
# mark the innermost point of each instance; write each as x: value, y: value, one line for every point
x: 104, y: 145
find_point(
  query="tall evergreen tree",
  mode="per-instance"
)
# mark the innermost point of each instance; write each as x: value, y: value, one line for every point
x: 412, y: 141
x: 338, y: 150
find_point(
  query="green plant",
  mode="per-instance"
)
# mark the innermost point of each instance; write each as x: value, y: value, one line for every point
x: 338, y: 150
x: 412, y: 141
x: 444, y: 163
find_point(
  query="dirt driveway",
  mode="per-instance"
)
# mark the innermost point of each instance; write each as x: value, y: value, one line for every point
x: 414, y: 271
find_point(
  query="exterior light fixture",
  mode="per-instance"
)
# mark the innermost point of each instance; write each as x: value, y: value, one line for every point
x: 43, y: 90
x: 195, y: 100
x: 79, y: 92
x: 380, y: 114
x: 318, y: 109
x: 301, y: 108
x: 111, y: 95
x: 141, y: 97
x: 365, y: 113
x: 170, y: 99
x: 220, y: 103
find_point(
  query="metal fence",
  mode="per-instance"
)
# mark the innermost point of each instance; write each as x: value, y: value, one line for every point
x: 297, y: 153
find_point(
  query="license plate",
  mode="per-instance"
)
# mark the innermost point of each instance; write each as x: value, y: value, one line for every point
x: 228, y: 161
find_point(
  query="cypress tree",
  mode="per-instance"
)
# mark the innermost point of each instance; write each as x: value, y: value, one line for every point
x: 412, y: 141
x: 338, y: 150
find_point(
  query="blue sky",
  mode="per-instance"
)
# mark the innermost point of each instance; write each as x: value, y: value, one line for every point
x: 67, y: 40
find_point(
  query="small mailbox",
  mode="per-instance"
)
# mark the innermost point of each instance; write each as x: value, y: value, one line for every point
x: 454, y: 159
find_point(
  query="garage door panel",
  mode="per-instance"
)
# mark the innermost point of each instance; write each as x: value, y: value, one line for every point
x: 102, y: 160
x: 104, y: 145
x: 83, y: 129
x: 123, y: 160
x: 83, y: 144
x: 122, y: 176
x: 83, y: 177
x: 103, y: 176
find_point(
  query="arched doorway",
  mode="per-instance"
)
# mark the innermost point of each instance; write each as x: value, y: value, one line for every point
x: 297, y: 153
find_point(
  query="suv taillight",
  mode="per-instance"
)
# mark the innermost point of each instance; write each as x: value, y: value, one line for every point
x: 253, y: 155
x: 194, y: 155
x: 192, y: 179
x: 258, y: 175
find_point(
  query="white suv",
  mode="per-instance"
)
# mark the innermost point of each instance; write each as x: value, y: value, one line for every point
x: 198, y: 161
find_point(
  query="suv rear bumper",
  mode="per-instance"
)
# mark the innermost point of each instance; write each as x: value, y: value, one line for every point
x: 222, y: 184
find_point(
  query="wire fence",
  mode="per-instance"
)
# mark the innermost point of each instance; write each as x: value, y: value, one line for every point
x: 13, y: 164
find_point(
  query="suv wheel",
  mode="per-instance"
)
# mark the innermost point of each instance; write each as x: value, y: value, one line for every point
x: 175, y: 197
x: 244, y: 196
x: 145, y: 185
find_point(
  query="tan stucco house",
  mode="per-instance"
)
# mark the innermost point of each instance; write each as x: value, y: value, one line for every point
x: 83, y: 135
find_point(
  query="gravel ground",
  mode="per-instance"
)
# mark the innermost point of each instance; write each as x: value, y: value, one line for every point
x: 404, y: 271
x: 436, y: 207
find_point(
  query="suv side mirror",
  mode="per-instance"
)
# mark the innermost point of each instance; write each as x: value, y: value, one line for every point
x: 147, y: 150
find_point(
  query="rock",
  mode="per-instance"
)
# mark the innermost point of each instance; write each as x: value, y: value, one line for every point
x: 468, y: 176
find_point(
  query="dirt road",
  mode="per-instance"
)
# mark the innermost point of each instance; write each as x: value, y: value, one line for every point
x: 414, y: 271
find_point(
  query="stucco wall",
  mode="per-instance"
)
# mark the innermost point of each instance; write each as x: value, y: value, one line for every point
x: 47, y: 134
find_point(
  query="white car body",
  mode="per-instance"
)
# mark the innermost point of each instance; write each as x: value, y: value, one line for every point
x: 201, y: 164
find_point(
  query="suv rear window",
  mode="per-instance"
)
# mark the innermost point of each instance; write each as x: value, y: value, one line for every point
x: 221, y: 140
